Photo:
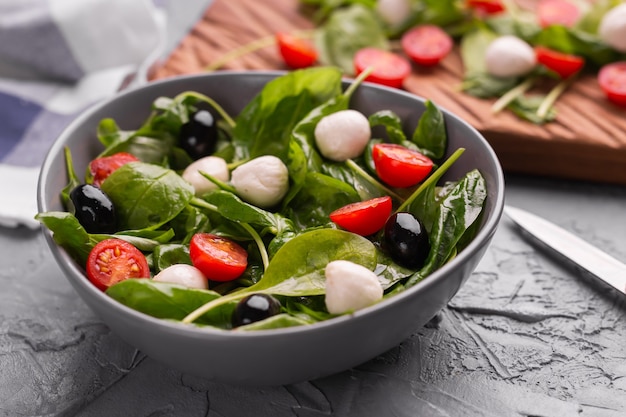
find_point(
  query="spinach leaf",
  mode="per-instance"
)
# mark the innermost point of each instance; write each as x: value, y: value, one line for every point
x: 169, y: 301
x: 73, y: 180
x: 264, y: 126
x: 146, y: 195
x: 278, y: 321
x: 577, y: 42
x: 68, y: 233
x: 458, y: 210
x: 526, y: 107
x: 170, y: 254
x: 430, y: 135
x: 346, y: 31
x: 392, y: 124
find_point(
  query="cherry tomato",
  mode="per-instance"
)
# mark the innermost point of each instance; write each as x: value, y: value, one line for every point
x: 364, y: 217
x: 101, y: 168
x: 218, y: 258
x: 296, y: 52
x: 557, y: 12
x: 565, y: 65
x: 115, y: 260
x: 426, y: 44
x: 612, y: 80
x: 399, y: 166
x: 388, y: 68
x: 486, y: 7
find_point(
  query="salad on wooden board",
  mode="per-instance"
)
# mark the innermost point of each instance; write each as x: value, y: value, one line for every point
x: 290, y: 213
x: 509, y: 52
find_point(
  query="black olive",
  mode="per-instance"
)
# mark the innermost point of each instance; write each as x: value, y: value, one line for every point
x: 198, y: 137
x: 255, y: 307
x: 406, y: 240
x: 93, y: 209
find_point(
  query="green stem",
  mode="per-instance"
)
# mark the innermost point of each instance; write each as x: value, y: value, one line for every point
x: 356, y: 168
x: 220, y: 184
x: 552, y: 96
x: 512, y: 94
x: 212, y: 102
x: 432, y: 179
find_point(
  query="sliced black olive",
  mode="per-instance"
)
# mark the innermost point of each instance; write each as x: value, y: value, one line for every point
x: 198, y: 137
x: 406, y: 240
x: 255, y: 307
x: 93, y: 209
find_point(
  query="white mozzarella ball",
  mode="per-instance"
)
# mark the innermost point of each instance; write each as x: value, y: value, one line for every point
x: 183, y: 274
x: 350, y: 287
x: 342, y: 135
x: 509, y: 56
x: 262, y: 181
x: 393, y: 12
x: 612, y: 28
x: 212, y: 165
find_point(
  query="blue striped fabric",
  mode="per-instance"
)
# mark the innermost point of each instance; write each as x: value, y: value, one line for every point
x: 57, y: 57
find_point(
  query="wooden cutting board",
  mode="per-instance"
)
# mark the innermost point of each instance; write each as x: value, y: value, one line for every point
x: 586, y: 142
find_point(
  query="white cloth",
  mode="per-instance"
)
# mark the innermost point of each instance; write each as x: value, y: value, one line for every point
x: 58, y: 57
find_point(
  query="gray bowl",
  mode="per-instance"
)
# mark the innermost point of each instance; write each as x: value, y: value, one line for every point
x: 272, y: 357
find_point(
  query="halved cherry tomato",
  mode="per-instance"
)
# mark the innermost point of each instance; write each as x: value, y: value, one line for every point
x: 296, y: 52
x: 486, y: 7
x: 557, y: 12
x: 101, y: 168
x: 565, y: 65
x: 364, y: 217
x: 612, y: 80
x: 115, y: 260
x: 426, y: 44
x: 219, y: 258
x: 388, y: 68
x: 399, y: 166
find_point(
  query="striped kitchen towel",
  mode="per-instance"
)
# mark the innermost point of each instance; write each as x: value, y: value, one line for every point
x: 58, y: 57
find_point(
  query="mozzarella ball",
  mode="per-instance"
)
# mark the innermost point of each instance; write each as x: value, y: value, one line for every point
x: 509, y: 56
x: 262, y: 181
x: 350, y: 287
x: 342, y: 135
x: 612, y: 28
x: 183, y: 274
x: 393, y: 12
x: 212, y: 165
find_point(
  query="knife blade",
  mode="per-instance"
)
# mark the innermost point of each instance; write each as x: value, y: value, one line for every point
x: 572, y: 248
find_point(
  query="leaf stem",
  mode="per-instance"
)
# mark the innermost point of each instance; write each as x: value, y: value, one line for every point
x: 356, y: 168
x: 212, y: 102
x: 552, y: 96
x: 250, y: 47
x: 432, y: 179
x: 512, y: 94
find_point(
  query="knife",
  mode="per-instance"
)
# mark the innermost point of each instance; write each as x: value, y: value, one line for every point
x: 571, y: 247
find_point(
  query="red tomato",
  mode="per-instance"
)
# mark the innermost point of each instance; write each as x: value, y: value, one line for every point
x: 612, y: 80
x: 565, y: 65
x: 399, y: 166
x: 365, y: 217
x: 426, y: 44
x: 219, y: 258
x: 388, y: 68
x: 557, y: 12
x: 486, y: 7
x: 101, y: 168
x: 115, y: 260
x: 296, y: 52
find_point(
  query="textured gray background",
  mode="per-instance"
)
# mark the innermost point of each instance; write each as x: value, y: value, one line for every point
x: 526, y: 336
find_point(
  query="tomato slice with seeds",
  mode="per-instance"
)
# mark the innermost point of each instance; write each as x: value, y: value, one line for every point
x: 557, y: 12
x: 101, y: 168
x: 115, y: 260
x: 388, y: 68
x: 364, y: 217
x: 565, y: 65
x: 486, y: 7
x: 296, y: 52
x: 612, y: 80
x: 399, y: 166
x: 426, y: 44
x: 219, y: 258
